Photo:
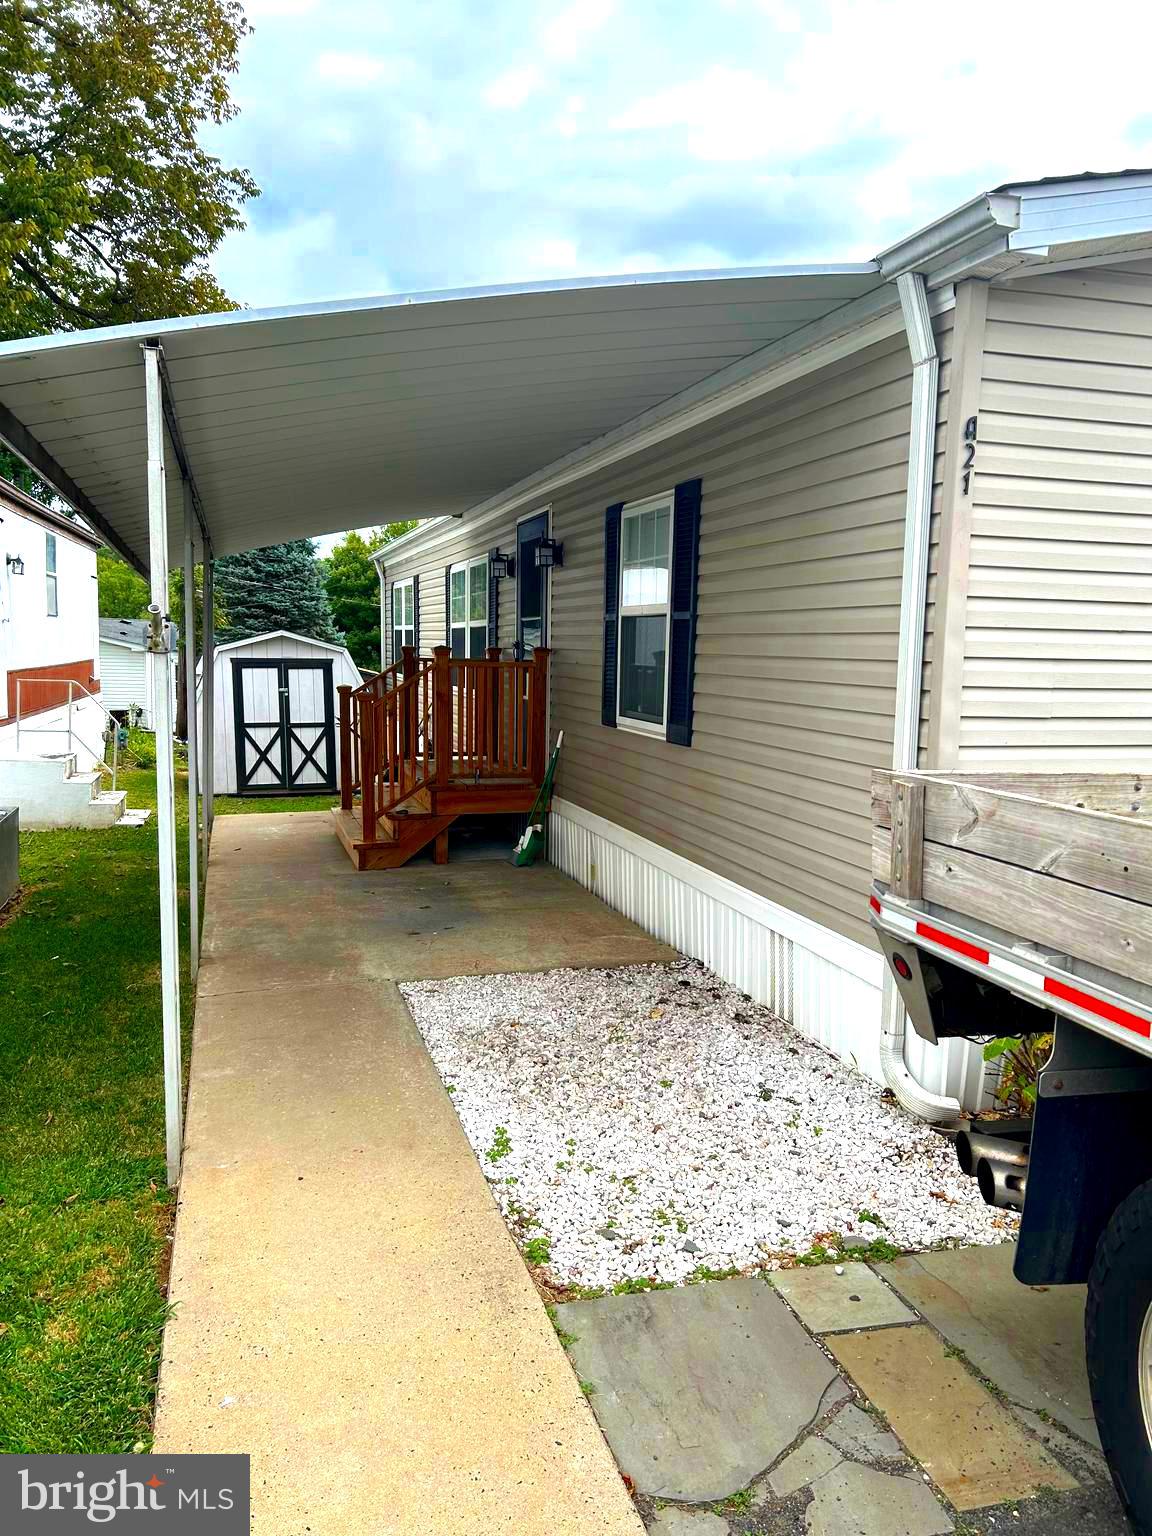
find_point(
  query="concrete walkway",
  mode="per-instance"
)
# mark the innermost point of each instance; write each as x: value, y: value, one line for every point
x: 349, y: 1307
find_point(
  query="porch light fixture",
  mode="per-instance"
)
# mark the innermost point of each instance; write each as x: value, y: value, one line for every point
x: 500, y: 565
x: 15, y: 564
x: 549, y: 553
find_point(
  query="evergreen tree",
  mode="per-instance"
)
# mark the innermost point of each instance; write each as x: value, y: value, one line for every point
x: 274, y: 588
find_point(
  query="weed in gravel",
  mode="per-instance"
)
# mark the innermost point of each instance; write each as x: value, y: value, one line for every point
x: 833, y: 1251
x: 501, y: 1145
x: 735, y: 1503
x: 871, y: 1216
x: 538, y: 1250
x: 635, y: 1284
x: 703, y: 1272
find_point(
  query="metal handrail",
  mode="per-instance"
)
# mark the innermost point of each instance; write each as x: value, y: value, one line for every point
x: 40, y: 730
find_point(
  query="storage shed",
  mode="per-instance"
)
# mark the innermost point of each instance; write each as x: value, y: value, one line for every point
x: 275, y: 714
x: 126, y: 668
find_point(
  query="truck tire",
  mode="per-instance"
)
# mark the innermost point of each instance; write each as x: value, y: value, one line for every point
x: 1118, y: 1339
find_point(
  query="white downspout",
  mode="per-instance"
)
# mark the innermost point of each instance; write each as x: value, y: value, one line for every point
x: 910, y: 663
x: 192, y: 734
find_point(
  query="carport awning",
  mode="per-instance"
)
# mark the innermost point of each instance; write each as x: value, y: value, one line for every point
x: 310, y: 420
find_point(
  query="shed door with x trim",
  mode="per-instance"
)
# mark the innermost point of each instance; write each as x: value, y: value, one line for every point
x: 285, y: 727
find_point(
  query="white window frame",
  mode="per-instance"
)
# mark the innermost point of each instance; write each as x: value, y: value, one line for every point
x: 644, y: 610
x: 407, y: 631
x: 51, y: 576
x: 477, y: 562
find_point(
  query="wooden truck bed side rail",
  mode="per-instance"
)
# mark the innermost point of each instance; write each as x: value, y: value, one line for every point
x: 1064, y: 861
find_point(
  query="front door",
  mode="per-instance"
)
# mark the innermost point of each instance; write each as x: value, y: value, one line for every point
x: 531, y: 586
x: 285, y: 727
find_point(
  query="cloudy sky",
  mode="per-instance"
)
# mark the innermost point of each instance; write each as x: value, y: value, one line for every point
x: 442, y: 143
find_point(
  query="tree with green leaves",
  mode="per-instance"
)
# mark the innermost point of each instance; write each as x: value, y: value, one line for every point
x: 109, y: 206
x: 279, y: 587
x: 353, y: 588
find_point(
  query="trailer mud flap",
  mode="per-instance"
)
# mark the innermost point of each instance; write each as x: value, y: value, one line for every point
x: 1091, y: 1147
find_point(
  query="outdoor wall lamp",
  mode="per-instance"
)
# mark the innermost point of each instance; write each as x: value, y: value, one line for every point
x: 15, y: 564
x: 549, y: 553
x: 501, y: 565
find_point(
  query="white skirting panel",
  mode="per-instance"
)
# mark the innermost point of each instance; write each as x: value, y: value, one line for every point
x: 827, y: 986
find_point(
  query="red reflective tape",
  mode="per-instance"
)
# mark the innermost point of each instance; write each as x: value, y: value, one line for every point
x: 948, y: 941
x: 1097, y: 1005
x: 874, y: 904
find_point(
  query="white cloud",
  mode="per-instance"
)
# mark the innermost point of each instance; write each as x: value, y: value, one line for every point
x: 350, y: 69
x: 270, y: 267
x: 513, y: 88
x: 572, y: 28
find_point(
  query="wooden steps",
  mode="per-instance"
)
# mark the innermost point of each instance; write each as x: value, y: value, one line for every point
x: 397, y: 839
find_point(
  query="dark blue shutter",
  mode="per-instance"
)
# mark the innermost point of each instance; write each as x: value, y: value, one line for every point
x: 682, y: 620
x: 611, y: 613
x: 493, y: 603
x: 448, y: 605
x: 416, y: 613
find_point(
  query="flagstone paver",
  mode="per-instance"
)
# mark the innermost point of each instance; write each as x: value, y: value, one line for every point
x: 827, y: 1302
x: 968, y: 1443
x: 688, y: 1522
x: 1026, y: 1339
x: 861, y: 1436
x: 853, y: 1500
x: 699, y: 1389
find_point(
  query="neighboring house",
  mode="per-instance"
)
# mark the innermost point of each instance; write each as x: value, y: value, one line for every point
x: 731, y: 575
x: 53, y: 720
x: 48, y: 607
x: 126, y: 668
x: 275, y: 714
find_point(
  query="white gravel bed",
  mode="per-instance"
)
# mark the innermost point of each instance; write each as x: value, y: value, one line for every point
x: 650, y: 1120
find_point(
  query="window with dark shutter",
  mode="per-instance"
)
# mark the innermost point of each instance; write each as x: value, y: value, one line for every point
x: 651, y: 554
x: 611, y: 612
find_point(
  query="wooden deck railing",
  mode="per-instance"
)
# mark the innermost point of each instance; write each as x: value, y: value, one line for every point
x: 449, y: 721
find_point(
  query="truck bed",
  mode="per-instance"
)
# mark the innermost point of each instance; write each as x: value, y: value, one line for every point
x: 1042, y: 882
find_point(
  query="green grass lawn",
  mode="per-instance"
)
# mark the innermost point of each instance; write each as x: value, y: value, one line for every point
x: 234, y: 805
x: 84, y: 1212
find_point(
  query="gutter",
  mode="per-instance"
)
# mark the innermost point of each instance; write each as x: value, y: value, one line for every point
x: 912, y: 289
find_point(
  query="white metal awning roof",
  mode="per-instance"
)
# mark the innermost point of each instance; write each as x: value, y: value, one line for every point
x: 311, y: 420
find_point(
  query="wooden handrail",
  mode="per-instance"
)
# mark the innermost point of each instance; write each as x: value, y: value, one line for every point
x: 452, y: 720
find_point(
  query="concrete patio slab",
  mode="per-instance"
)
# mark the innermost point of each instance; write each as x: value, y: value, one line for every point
x: 827, y: 1302
x: 349, y: 1308
x: 699, y: 1389
x: 424, y: 921
x: 1029, y: 1340
x: 967, y: 1442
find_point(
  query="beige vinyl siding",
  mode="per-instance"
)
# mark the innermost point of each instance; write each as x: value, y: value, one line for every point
x: 1058, y: 625
x: 429, y: 557
x: 801, y: 546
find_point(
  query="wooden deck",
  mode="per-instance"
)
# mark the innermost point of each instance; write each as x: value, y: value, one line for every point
x: 426, y: 741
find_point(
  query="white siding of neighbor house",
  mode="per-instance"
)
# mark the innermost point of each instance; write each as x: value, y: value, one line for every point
x: 29, y: 635
x: 1058, y: 622
x: 125, y: 679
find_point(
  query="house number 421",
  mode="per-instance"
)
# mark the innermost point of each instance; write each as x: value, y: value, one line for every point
x: 969, y: 460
